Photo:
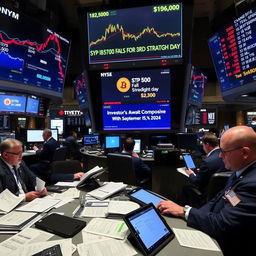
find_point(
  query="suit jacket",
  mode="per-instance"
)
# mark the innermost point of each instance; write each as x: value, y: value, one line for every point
x: 142, y: 170
x: 208, y: 166
x: 8, y: 181
x: 232, y: 226
x: 47, y: 152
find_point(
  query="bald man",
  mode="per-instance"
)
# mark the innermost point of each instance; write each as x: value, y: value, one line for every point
x: 230, y: 217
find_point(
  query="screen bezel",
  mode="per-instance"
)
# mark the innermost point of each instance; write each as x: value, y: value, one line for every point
x: 160, y: 243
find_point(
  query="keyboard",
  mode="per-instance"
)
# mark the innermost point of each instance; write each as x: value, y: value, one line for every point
x: 51, y: 251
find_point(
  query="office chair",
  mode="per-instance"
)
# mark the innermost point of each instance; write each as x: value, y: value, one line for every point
x: 121, y: 169
x: 60, y: 154
x: 217, y: 183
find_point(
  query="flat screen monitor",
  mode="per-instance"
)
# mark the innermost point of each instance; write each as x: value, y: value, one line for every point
x: 6, y: 135
x: 187, y: 141
x: 80, y: 86
x: 5, y: 122
x: 196, y: 86
x: 12, y: 103
x: 136, y: 99
x: 32, y: 105
x: 233, y: 54
x: 58, y: 124
x: 37, y: 135
x: 137, y: 146
x: 33, y: 57
x: 136, y: 34
x: 112, y: 142
x: 90, y: 140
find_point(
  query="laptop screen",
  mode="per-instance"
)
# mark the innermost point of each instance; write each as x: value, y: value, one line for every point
x: 146, y: 197
x: 149, y: 228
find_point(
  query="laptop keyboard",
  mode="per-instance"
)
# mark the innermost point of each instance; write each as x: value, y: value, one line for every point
x: 51, y: 251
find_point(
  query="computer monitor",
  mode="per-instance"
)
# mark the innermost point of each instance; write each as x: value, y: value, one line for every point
x: 137, y: 146
x: 187, y: 141
x: 36, y: 135
x: 112, y: 142
x: 90, y: 140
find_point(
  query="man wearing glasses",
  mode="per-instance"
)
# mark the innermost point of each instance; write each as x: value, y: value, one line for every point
x: 230, y: 217
x: 14, y: 174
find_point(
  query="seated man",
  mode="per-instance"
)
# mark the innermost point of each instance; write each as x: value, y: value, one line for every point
x: 230, y: 216
x: 14, y: 174
x: 73, y: 146
x: 142, y: 171
x: 208, y: 166
x: 45, y: 154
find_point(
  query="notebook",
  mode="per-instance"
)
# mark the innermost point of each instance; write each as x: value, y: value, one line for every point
x: 60, y: 225
x: 149, y: 229
x: 143, y: 196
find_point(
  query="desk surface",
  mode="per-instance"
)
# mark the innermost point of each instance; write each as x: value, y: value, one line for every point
x: 173, y: 248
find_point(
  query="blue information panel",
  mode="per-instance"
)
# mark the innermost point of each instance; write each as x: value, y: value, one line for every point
x: 12, y: 103
x: 32, y: 105
x: 138, y: 99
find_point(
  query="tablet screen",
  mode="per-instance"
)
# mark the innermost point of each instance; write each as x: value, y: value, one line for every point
x: 189, y: 161
x: 146, y: 197
x: 149, y: 228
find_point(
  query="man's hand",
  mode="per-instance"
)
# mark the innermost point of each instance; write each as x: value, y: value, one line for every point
x: 189, y: 171
x: 35, y: 194
x: 35, y: 148
x: 169, y: 207
x: 78, y: 175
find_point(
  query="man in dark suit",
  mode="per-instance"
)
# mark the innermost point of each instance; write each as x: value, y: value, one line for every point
x: 14, y: 174
x: 142, y: 171
x: 230, y: 216
x: 208, y: 166
x: 45, y: 154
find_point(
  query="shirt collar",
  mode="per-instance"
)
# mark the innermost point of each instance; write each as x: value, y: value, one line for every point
x: 212, y: 151
x: 239, y: 172
x: 11, y: 166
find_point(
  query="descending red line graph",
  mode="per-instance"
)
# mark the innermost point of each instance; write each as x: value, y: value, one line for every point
x: 201, y: 77
x: 39, y: 47
x: 113, y: 30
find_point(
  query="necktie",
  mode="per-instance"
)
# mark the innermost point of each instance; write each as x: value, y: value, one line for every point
x: 19, y: 179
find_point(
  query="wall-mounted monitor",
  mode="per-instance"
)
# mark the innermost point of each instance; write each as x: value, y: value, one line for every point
x: 58, y: 124
x: 112, y: 142
x: 33, y: 57
x: 32, y: 105
x: 5, y: 122
x: 12, y: 103
x: 136, y: 99
x: 233, y: 54
x: 90, y: 140
x: 196, y: 86
x: 37, y: 135
x: 134, y: 35
x: 80, y: 85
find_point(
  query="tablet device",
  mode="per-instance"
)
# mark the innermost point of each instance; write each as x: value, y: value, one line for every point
x: 149, y: 229
x: 189, y: 161
x: 60, y: 225
x: 143, y: 196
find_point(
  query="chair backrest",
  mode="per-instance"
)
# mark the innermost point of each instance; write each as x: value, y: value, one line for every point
x: 68, y: 166
x: 217, y: 183
x: 166, y: 157
x: 121, y: 169
x: 60, y: 154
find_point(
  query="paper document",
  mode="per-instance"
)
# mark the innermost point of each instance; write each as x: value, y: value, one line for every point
x: 110, y: 247
x: 121, y: 207
x: 71, y: 184
x: 88, y: 237
x: 30, y: 249
x: 8, y: 200
x: 71, y: 193
x: 107, y: 190
x: 107, y: 227
x: 40, y: 184
x: 94, y: 211
x: 195, y: 239
x: 182, y: 171
x: 15, y: 218
x: 28, y: 235
x: 39, y: 205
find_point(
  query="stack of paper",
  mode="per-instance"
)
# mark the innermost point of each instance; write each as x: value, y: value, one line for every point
x: 117, y: 208
x: 8, y: 201
x: 107, y: 190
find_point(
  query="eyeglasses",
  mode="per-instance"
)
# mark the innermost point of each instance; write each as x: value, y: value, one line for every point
x: 15, y: 153
x: 230, y: 150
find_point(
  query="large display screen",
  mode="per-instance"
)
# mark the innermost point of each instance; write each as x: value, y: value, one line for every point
x: 31, y: 53
x: 196, y: 87
x: 32, y: 105
x: 80, y: 85
x: 12, y: 103
x: 135, y: 34
x: 136, y: 100
x: 233, y: 52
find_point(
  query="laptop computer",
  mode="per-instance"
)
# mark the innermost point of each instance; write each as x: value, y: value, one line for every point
x: 149, y: 229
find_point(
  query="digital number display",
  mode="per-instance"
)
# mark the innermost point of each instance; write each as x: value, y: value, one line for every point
x: 135, y: 34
